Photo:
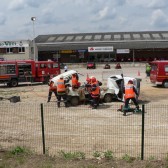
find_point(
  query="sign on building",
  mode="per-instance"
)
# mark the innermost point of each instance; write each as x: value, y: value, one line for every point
x: 7, y: 44
x: 100, y: 49
x: 123, y: 51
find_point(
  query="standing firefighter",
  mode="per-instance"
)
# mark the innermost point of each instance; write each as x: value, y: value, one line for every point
x: 52, y: 89
x: 95, y: 93
x: 130, y: 93
x: 61, y: 91
x: 75, y: 79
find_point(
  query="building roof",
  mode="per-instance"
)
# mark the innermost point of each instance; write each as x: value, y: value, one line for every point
x: 119, y: 40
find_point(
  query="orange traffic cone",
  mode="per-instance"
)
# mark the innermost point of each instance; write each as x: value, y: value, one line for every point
x: 139, y: 73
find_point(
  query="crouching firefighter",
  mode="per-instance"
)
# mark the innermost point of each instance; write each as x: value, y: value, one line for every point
x: 95, y: 93
x: 130, y: 94
x: 61, y: 91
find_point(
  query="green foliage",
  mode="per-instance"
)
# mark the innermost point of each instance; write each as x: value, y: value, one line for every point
x: 151, y: 158
x: 72, y: 155
x: 166, y: 157
x: 18, y: 150
x: 97, y: 154
x: 128, y: 158
x: 108, y: 154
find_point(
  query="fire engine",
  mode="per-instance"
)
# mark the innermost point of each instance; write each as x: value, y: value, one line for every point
x: 13, y: 72
x: 159, y: 73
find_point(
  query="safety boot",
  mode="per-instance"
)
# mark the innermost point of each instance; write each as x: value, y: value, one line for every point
x: 58, y: 104
x: 66, y: 104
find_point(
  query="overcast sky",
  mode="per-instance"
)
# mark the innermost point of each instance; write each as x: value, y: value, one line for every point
x: 80, y: 16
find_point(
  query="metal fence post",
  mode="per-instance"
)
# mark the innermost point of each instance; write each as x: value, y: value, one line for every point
x: 142, y: 136
x: 42, y: 126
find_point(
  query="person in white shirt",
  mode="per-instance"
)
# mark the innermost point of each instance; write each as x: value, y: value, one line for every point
x: 65, y: 68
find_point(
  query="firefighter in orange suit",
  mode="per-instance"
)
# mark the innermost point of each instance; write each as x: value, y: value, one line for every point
x: 61, y: 91
x: 130, y: 94
x: 75, y: 79
x: 95, y: 93
x: 52, y: 89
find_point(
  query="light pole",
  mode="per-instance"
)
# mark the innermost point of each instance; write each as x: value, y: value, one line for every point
x: 34, y: 45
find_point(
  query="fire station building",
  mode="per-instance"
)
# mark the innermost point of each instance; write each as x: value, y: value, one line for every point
x: 104, y: 47
x: 98, y: 47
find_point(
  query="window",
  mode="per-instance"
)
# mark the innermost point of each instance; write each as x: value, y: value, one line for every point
x: 21, y: 49
x: 42, y: 65
x: 9, y: 50
x: 2, y: 50
x: 49, y: 65
x: 166, y: 68
x: 153, y: 67
x: 32, y: 50
x: 7, y: 69
x: 55, y: 65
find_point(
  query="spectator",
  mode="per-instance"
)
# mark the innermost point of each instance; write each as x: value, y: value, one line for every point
x: 148, y: 69
x: 65, y: 68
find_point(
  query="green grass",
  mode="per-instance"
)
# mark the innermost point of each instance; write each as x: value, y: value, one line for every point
x: 72, y: 155
x: 108, y: 154
x: 128, y: 158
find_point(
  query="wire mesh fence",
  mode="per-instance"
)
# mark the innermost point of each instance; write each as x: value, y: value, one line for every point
x: 84, y: 129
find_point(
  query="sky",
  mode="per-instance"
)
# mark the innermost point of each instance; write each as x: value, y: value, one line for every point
x: 79, y: 16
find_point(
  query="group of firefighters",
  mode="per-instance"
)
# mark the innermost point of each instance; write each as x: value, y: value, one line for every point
x: 93, y: 87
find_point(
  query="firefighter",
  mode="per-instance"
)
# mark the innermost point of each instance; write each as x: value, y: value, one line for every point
x: 61, y: 91
x: 75, y: 79
x: 95, y: 93
x: 130, y: 94
x: 52, y: 89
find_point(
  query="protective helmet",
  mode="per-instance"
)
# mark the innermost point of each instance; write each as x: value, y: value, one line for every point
x: 93, y: 79
x: 130, y: 82
x: 61, y: 77
x: 88, y: 80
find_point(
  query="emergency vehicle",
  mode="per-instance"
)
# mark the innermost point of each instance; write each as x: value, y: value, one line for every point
x: 159, y: 73
x: 13, y: 72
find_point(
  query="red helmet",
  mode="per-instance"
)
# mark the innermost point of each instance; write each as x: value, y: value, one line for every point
x: 93, y: 79
x: 130, y: 82
x: 88, y: 80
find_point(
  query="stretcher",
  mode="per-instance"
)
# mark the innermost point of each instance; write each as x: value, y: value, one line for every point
x: 130, y: 109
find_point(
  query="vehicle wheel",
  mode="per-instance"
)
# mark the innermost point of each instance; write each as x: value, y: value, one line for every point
x: 108, y: 98
x: 8, y: 84
x: 74, y: 101
x: 165, y: 84
x: 14, y: 83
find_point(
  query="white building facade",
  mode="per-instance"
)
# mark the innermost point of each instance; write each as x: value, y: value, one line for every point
x: 16, y: 50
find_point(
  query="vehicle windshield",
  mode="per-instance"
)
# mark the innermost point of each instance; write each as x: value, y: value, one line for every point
x: 153, y: 67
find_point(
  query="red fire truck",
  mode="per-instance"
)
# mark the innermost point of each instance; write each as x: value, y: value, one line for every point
x: 13, y: 72
x: 159, y: 73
